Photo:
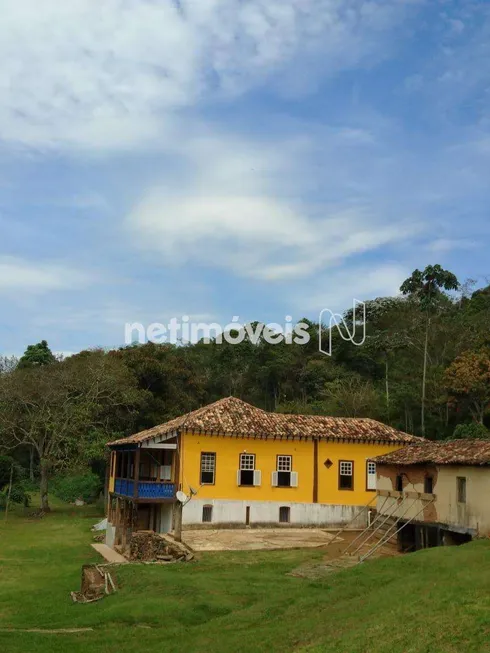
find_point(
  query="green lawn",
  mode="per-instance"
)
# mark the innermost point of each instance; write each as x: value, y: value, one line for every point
x: 433, y: 601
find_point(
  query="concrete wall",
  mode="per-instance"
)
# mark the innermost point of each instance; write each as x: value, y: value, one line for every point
x: 110, y: 534
x: 474, y: 515
x: 233, y: 513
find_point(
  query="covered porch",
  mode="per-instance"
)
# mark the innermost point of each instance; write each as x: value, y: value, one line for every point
x: 144, y: 472
x: 143, y: 481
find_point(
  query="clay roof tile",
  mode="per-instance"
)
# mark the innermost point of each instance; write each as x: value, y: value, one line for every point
x: 448, y: 452
x: 233, y: 417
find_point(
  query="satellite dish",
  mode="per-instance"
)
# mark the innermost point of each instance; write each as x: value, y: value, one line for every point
x: 181, y: 496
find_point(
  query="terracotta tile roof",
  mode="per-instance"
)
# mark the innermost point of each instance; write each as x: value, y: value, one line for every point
x: 451, y: 452
x: 234, y: 417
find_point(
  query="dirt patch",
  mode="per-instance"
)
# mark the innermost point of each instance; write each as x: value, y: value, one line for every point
x: 249, y: 539
x: 334, y: 559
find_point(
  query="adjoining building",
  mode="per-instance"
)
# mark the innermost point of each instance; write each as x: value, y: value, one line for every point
x: 246, y: 466
x: 435, y: 493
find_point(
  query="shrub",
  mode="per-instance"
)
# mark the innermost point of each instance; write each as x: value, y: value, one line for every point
x: 70, y: 488
x: 472, y: 431
x: 17, y: 495
x: 30, y: 486
x: 8, y: 464
x: 10, y: 468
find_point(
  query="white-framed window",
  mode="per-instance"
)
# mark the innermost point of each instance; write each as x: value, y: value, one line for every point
x: 346, y: 468
x: 370, y: 475
x: 284, y: 463
x: 208, y: 468
x: 346, y: 475
x: 247, y: 474
x: 284, y: 475
x: 247, y: 461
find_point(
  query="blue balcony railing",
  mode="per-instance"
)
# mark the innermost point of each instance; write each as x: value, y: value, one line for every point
x: 124, y: 486
x: 156, y: 490
x: 146, y: 490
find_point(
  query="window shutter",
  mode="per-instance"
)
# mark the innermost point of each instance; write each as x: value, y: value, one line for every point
x: 238, y: 477
x: 294, y: 479
x: 257, y: 477
x: 274, y: 479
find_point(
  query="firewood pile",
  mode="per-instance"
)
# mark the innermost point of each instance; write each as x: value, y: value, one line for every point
x: 148, y: 546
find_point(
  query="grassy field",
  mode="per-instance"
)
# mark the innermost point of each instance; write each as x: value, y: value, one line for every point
x: 434, y: 601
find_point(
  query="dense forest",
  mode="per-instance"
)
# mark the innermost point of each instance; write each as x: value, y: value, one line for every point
x: 424, y: 368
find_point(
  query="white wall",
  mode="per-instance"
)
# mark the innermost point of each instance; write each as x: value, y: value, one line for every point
x: 165, y: 522
x: 475, y: 513
x: 267, y: 512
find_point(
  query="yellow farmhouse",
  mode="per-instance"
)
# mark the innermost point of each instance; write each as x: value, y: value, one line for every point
x: 245, y: 466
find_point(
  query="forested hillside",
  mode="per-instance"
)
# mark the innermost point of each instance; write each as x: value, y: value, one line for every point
x: 424, y: 368
x: 382, y: 379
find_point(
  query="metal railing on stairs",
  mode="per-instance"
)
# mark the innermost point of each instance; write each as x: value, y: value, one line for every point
x: 356, y: 517
x: 387, y: 536
x: 370, y: 531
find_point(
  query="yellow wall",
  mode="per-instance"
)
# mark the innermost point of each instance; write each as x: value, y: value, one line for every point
x: 328, y: 479
x: 228, y: 449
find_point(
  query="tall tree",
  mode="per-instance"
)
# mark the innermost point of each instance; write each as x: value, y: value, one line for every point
x: 37, y: 355
x: 427, y: 287
x: 67, y: 411
x: 468, y: 381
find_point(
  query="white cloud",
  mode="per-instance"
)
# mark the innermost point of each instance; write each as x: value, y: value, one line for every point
x: 112, y: 74
x: 286, y: 199
x: 443, y: 245
x: 21, y: 276
x: 456, y: 25
x: 338, y: 290
x: 234, y: 210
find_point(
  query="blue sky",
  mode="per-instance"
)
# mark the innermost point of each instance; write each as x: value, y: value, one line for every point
x: 219, y: 157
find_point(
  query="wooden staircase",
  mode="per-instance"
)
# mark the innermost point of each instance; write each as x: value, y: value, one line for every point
x: 380, y: 537
x: 386, y: 532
